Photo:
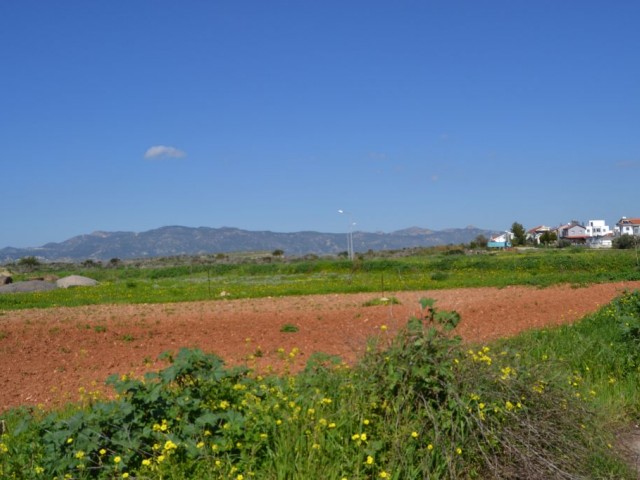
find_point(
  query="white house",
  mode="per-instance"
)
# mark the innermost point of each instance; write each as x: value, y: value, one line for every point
x: 628, y: 226
x: 597, y: 228
x: 500, y: 241
x: 599, y: 234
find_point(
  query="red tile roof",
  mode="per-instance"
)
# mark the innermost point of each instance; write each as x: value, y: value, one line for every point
x: 629, y: 221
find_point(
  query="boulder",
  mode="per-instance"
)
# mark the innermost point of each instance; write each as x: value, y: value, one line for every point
x: 76, y: 281
x: 28, y: 286
x: 5, y: 279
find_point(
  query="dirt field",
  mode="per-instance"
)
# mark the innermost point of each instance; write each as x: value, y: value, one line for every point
x: 46, y: 356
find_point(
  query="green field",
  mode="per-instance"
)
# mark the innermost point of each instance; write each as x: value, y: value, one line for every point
x: 433, y: 270
x: 548, y: 404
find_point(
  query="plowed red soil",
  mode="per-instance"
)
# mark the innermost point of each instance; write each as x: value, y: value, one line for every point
x: 47, y: 356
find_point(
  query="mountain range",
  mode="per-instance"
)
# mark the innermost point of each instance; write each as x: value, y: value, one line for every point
x: 179, y: 240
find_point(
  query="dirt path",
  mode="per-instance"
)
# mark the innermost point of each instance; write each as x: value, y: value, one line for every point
x: 46, y: 356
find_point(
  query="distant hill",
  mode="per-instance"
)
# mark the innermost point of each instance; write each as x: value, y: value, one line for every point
x: 177, y: 240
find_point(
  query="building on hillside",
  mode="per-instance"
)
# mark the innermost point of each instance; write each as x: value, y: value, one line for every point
x: 500, y: 241
x: 534, y: 234
x: 628, y: 226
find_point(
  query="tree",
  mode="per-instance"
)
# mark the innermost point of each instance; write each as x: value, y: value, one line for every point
x: 479, y: 242
x: 625, y: 241
x: 519, y: 234
x: 548, y: 237
x: 29, y: 263
x: 277, y: 253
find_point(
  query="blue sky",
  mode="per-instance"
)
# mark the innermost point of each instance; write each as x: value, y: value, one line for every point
x: 271, y: 115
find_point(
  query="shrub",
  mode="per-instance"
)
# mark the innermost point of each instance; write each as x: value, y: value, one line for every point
x: 29, y: 263
x: 625, y: 241
x: 439, y: 276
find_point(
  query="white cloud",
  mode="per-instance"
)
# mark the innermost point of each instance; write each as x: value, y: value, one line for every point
x: 162, y: 151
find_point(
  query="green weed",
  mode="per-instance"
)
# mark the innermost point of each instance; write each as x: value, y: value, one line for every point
x: 289, y: 328
x: 381, y: 301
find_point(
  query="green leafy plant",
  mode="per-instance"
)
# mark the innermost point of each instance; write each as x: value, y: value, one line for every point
x: 289, y: 328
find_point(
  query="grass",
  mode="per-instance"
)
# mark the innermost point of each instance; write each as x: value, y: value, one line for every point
x: 323, y: 276
x: 543, y: 405
x: 381, y: 301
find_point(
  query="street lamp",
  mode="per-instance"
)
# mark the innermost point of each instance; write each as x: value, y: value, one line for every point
x: 349, y: 234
